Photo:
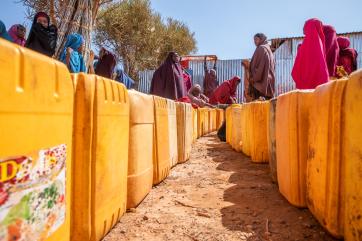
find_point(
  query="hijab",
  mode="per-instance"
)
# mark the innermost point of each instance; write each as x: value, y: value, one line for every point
x: 13, y: 32
x: 347, y: 55
x: 310, y: 67
x: 226, y: 90
x: 42, y: 39
x: 167, y: 81
x: 76, y: 63
x: 332, y: 49
x: 3, y: 33
x: 106, y: 64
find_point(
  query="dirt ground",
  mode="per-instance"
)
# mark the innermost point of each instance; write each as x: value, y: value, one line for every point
x: 217, y: 195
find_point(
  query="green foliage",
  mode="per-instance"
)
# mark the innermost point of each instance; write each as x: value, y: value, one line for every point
x: 139, y: 36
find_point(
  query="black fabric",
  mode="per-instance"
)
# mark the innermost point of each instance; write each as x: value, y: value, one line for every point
x: 221, y: 133
x: 42, y: 40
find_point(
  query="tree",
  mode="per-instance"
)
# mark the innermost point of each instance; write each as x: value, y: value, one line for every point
x: 138, y: 35
x: 70, y: 16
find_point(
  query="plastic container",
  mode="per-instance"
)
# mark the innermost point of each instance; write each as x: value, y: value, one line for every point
x: 184, y: 131
x: 246, y: 128
x: 140, y: 162
x: 352, y: 157
x: 259, y: 125
x: 236, y: 142
x: 212, y: 120
x: 101, y: 134
x: 272, y: 141
x: 228, y: 113
x: 172, y: 132
x: 220, y: 117
x: 325, y: 179
x: 206, y: 130
x: 195, y: 122
x: 161, y: 148
x: 200, y: 121
x: 36, y: 121
x: 291, y: 127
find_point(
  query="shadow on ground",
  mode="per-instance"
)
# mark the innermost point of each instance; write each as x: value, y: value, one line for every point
x: 255, y: 203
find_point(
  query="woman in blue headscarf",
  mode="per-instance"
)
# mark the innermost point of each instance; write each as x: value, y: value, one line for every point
x: 72, y: 53
x: 3, y: 33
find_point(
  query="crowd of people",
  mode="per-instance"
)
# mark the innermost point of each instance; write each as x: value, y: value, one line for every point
x: 43, y: 37
x: 321, y: 57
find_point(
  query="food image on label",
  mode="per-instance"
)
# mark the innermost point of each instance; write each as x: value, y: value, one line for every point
x: 32, y: 194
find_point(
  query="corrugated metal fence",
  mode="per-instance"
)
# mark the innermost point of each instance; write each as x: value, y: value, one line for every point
x: 226, y: 69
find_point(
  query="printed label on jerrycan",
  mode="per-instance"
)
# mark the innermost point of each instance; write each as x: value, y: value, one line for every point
x: 32, y: 194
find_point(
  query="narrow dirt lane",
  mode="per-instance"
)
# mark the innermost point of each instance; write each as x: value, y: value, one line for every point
x: 217, y: 195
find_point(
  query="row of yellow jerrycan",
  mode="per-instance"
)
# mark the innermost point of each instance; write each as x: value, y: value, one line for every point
x: 77, y: 150
x: 314, y: 146
x: 208, y: 120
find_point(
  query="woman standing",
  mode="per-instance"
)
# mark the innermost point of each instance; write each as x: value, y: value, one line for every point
x: 332, y: 49
x: 310, y: 66
x: 168, y: 81
x: 262, y: 69
x: 72, y: 54
x: 106, y: 64
x: 43, y: 36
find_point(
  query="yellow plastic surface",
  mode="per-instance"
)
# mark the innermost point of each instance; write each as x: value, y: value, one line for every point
x: 172, y: 132
x: 352, y: 157
x: 259, y: 125
x: 220, y: 117
x: 246, y: 128
x: 101, y: 133
x: 228, y: 115
x: 36, y: 113
x: 272, y: 141
x: 184, y: 131
x: 206, y: 121
x: 200, y: 121
x: 292, y: 144
x: 162, y: 160
x: 212, y: 120
x: 236, y: 142
x: 325, y: 177
x: 140, y: 161
x: 195, y: 127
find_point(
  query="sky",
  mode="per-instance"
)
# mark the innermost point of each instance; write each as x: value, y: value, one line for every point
x: 226, y: 27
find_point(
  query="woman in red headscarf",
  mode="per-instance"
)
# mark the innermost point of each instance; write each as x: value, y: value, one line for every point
x: 310, y: 67
x: 347, y: 56
x: 332, y: 49
x: 226, y: 92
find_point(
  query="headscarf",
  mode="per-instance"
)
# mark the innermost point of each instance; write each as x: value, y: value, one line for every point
x: 310, y: 67
x: 167, y: 81
x: 13, y: 32
x: 42, y: 39
x: 210, y: 80
x: 123, y: 78
x: 332, y: 49
x: 262, y: 37
x: 3, y: 33
x: 226, y: 90
x: 106, y: 64
x: 347, y: 55
x: 76, y: 63
x: 187, y: 80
